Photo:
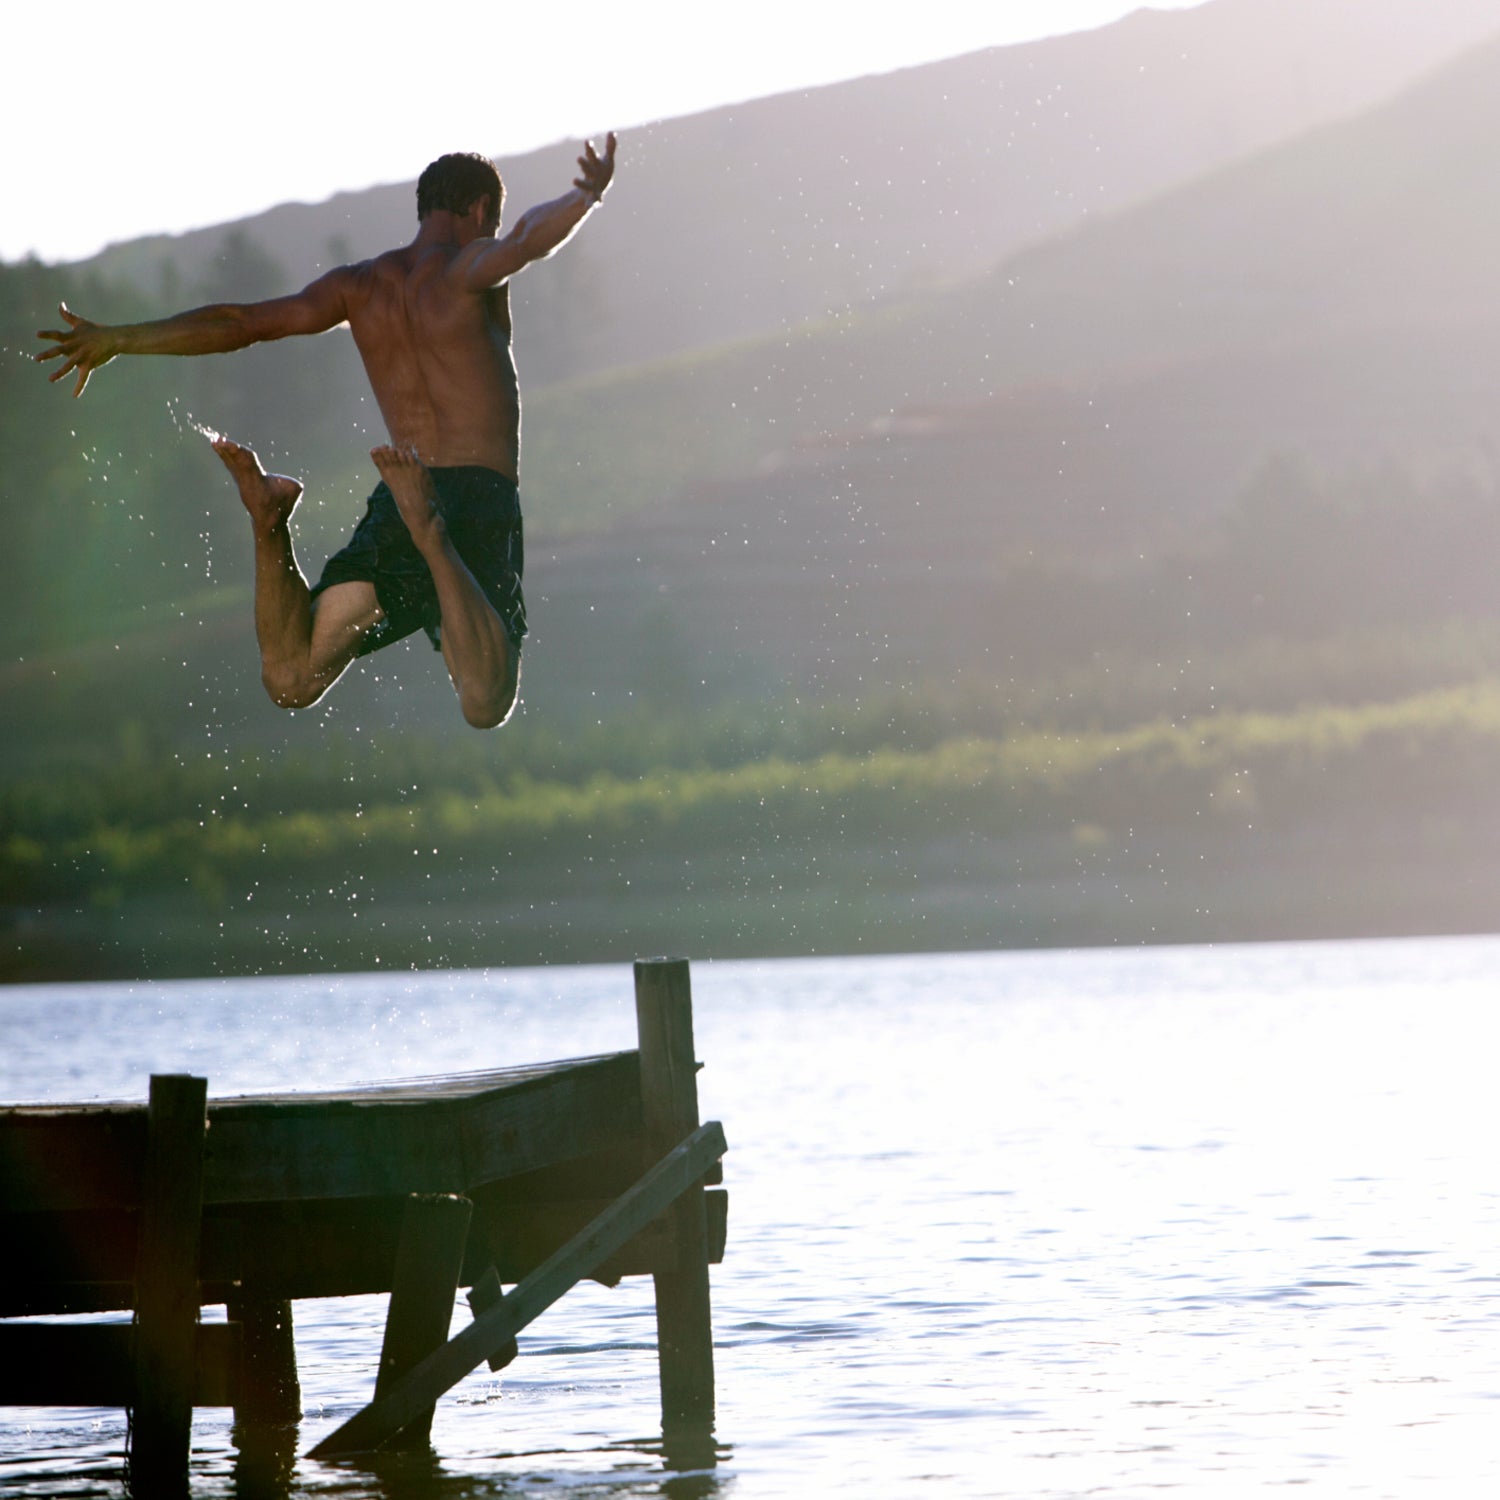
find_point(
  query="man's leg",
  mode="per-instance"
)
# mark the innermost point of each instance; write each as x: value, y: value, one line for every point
x: 303, y: 651
x: 480, y: 657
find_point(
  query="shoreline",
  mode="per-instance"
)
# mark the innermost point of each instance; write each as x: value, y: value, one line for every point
x: 987, y: 895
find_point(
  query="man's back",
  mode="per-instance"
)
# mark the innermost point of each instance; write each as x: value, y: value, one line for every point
x: 438, y: 355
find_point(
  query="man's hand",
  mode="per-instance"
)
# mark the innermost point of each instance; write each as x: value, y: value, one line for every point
x: 82, y: 346
x: 595, y: 170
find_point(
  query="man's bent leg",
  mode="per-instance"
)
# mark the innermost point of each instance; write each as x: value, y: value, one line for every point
x: 295, y: 669
x: 481, y: 659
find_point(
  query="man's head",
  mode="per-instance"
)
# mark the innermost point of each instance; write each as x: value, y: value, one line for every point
x: 456, y: 182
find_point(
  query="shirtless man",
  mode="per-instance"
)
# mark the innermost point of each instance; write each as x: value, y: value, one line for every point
x: 440, y: 546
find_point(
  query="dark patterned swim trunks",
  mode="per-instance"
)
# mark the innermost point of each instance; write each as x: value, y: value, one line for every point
x: 482, y: 512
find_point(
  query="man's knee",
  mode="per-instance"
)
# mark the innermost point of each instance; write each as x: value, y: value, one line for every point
x: 487, y: 710
x: 290, y: 688
x: 490, y: 706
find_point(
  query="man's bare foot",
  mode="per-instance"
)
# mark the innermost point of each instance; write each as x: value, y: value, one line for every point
x: 411, y: 484
x: 270, y: 498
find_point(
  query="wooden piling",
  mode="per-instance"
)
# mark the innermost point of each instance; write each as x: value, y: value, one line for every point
x: 429, y: 1260
x: 166, y: 1284
x: 669, y: 1103
x: 267, y: 1391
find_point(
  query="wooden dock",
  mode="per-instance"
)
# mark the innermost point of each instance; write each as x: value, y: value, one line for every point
x: 517, y: 1184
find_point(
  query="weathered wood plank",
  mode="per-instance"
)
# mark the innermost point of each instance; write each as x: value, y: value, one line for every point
x: 416, y: 1136
x: 320, y: 1249
x: 445, y: 1367
x: 42, y: 1248
x: 53, y: 1297
x: 91, y: 1364
x: 516, y: 1241
x: 80, y: 1158
x: 380, y: 1148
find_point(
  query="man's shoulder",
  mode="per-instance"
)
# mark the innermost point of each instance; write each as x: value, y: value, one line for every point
x: 363, y: 279
x: 409, y: 263
x: 388, y: 263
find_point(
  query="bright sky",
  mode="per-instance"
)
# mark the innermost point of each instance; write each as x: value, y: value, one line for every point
x: 124, y: 120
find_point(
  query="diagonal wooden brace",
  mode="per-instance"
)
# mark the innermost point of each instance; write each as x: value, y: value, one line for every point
x: 406, y: 1398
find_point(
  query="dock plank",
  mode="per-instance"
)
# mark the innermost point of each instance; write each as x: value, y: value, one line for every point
x: 83, y: 1263
x: 419, y: 1135
x: 91, y: 1364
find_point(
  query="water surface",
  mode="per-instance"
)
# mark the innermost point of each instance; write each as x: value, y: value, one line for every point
x: 1212, y: 1220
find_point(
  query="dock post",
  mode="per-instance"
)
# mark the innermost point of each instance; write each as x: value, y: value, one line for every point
x: 429, y: 1261
x: 166, y: 1285
x: 268, y: 1391
x: 669, y: 1101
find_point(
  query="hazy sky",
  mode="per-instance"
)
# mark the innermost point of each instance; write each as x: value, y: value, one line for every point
x: 124, y: 120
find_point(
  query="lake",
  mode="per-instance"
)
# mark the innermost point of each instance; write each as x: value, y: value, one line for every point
x: 1215, y: 1220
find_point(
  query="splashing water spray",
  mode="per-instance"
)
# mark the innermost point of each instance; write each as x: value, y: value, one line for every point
x: 188, y: 420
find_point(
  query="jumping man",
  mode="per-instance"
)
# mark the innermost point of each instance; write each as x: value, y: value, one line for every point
x: 440, y: 546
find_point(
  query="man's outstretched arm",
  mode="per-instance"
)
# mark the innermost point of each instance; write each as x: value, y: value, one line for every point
x: 541, y: 230
x: 84, y: 346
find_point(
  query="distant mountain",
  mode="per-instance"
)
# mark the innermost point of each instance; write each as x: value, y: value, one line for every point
x: 751, y: 219
x: 1363, y: 233
x: 1384, y: 220
x: 1096, y: 403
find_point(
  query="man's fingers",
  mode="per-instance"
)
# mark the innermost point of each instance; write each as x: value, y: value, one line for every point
x: 67, y: 347
x: 596, y: 171
x: 592, y: 157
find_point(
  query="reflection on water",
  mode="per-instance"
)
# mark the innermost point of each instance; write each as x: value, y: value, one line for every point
x: 1220, y: 1220
x: 265, y: 1458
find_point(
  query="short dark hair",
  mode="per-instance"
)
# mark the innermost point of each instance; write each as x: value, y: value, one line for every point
x: 455, y: 181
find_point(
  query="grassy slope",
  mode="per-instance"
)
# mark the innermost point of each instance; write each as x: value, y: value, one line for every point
x: 1215, y: 827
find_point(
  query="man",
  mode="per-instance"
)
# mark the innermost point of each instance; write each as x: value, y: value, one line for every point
x: 440, y: 546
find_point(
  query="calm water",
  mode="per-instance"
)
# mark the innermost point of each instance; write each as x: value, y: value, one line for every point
x: 1212, y: 1220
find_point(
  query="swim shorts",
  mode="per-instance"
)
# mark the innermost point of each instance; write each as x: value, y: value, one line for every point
x: 482, y: 512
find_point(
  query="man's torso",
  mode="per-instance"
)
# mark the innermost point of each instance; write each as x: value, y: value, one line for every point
x: 438, y: 358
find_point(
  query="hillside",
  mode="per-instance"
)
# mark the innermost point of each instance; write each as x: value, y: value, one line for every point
x: 1112, y: 389
x: 1098, y: 398
x: 1113, y: 382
